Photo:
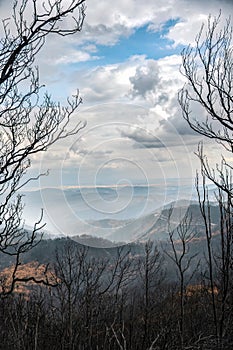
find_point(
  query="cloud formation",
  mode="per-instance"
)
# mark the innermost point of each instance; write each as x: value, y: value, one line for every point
x: 145, y: 79
x: 133, y: 109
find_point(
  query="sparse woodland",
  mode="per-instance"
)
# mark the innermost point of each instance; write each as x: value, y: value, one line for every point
x: 127, y: 300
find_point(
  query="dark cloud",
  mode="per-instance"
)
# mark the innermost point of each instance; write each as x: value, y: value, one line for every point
x: 177, y: 123
x: 145, y: 79
x: 88, y: 151
x: 143, y: 139
x: 103, y: 34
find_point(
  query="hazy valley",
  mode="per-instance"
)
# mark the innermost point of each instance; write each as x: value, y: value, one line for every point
x: 114, y: 214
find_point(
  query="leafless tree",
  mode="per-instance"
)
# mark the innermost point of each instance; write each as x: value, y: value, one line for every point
x: 29, y: 123
x: 208, y: 68
x: 219, y: 256
x: 89, y: 295
x: 180, y: 239
x: 150, y: 275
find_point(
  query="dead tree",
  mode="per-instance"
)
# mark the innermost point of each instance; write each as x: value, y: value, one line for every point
x: 180, y: 240
x: 29, y: 123
x: 207, y: 66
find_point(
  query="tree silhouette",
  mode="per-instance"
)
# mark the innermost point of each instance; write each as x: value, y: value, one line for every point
x: 28, y: 124
x: 208, y: 68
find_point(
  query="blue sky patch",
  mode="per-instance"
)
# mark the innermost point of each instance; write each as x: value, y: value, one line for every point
x: 152, y: 44
x: 142, y: 42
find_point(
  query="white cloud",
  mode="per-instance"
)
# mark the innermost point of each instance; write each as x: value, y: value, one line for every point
x: 107, y: 83
x: 148, y: 113
x: 125, y: 16
x: 75, y: 57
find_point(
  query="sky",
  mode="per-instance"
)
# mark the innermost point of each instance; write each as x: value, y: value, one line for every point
x: 126, y: 64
